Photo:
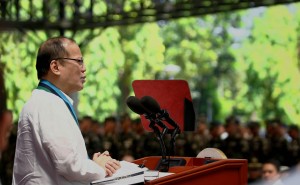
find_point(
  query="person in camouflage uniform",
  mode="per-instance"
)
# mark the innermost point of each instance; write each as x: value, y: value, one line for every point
x: 258, y: 145
x: 216, y: 129
x: 278, y: 143
x: 234, y: 146
x: 198, y: 140
x: 293, y: 146
x: 127, y: 139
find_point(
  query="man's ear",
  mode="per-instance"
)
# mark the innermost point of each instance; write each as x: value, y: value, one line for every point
x: 55, y: 67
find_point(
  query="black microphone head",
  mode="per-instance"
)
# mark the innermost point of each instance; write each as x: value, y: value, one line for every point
x: 135, y: 105
x: 151, y: 104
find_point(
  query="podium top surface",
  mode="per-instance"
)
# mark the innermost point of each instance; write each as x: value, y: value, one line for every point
x: 201, y: 171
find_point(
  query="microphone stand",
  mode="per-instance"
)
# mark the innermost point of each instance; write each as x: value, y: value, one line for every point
x: 164, y: 166
x: 174, y: 132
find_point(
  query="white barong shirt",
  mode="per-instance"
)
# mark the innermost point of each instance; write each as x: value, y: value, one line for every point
x: 50, y: 148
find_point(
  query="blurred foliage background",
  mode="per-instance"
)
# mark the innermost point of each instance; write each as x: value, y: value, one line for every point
x: 242, y: 62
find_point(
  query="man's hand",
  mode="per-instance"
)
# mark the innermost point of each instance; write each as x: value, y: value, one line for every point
x: 106, y: 162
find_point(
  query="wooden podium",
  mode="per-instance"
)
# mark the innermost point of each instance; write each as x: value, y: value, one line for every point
x: 192, y: 170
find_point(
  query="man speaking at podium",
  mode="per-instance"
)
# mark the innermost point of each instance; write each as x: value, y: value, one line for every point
x: 50, y: 148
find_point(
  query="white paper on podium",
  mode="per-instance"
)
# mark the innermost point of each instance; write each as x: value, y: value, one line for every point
x: 129, y: 173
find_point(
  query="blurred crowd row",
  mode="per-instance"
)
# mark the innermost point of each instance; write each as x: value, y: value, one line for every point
x: 254, y: 141
x: 126, y: 139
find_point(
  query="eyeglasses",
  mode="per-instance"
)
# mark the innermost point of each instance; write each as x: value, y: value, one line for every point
x: 79, y: 61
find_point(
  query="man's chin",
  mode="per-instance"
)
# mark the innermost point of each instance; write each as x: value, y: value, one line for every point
x: 81, y: 87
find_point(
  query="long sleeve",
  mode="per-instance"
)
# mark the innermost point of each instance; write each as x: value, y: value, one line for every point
x: 51, y: 146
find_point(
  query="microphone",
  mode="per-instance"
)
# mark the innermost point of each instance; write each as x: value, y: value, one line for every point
x: 135, y: 105
x: 151, y: 104
x: 154, y: 107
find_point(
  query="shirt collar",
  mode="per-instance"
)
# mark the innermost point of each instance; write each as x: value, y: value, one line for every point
x: 69, y: 98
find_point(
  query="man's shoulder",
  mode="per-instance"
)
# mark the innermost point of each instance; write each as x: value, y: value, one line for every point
x: 40, y: 96
x: 41, y: 99
x: 40, y: 102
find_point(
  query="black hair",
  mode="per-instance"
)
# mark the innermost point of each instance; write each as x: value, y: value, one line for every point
x: 232, y: 119
x: 51, y: 49
x: 110, y: 118
x: 213, y: 124
x: 274, y: 162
